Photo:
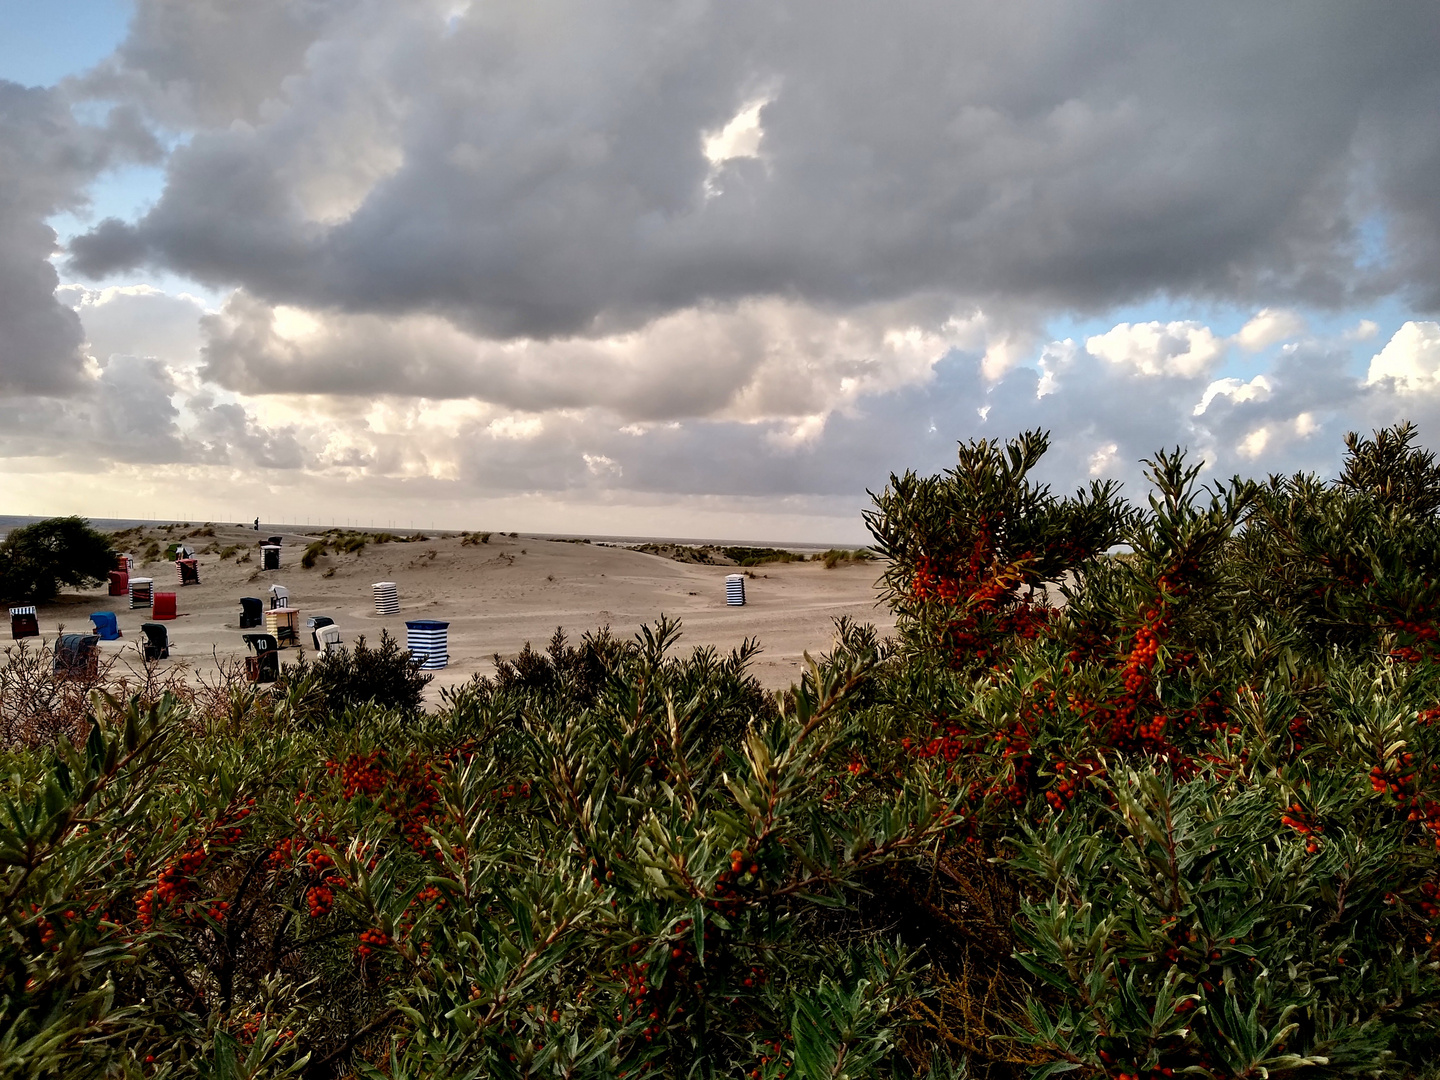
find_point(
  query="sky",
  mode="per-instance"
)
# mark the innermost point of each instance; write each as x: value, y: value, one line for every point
x: 707, y: 269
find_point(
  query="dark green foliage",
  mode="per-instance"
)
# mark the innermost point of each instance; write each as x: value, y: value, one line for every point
x: 1212, y: 778
x: 1391, y: 469
x: 576, y: 674
x: 37, y: 560
x: 1346, y: 561
x: 511, y: 886
x: 759, y: 556
x: 719, y: 555
x: 386, y: 677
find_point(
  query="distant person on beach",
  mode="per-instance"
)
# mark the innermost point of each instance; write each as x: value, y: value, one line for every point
x: 257, y: 524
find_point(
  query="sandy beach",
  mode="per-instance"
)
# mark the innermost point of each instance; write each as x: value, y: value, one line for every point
x: 496, y: 596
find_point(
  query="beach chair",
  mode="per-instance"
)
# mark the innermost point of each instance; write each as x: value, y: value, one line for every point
x: 284, y: 623
x: 77, y: 656
x: 163, y: 606
x: 107, y: 628
x: 264, y: 666
x: 327, y: 639
x: 142, y: 592
x: 187, y: 571
x: 157, y: 641
x: 315, y: 624
x: 24, y: 622
x: 387, y: 598
x: 428, y: 642
x: 735, y: 590
x: 119, y: 582
x: 252, y: 612
x: 279, y: 596
x: 269, y: 557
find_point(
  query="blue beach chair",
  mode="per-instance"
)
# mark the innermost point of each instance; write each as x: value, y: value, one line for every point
x: 105, y: 625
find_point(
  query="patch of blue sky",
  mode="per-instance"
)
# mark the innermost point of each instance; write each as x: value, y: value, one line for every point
x: 1340, y: 326
x: 1374, y: 237
x: 126, y: 193
x: 43, y: 41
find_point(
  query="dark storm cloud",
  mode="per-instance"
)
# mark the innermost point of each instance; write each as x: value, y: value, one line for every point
x: 210, y: 61
x: 538, y: 170
x: 759, y: 253
x: 46, y: 160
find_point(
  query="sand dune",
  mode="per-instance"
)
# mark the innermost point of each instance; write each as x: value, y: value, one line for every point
x: 497, y: 596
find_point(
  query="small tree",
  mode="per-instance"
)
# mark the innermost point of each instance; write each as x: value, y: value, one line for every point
x: 36, y: 560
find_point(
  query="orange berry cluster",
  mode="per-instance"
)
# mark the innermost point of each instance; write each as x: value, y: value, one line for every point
x: 1297, y: 818
x: 1423, y: 636
x: 775, y: 1051
x: 1069, y: 775
x: 986, y: 587
x: 372, y: 940
x: 408, y: 792
x: 173, y: 884
x: 1430, y: 905
x: 360, y: 774
x: 1397, y: 781
x: 52, y: 927
x: 729, y: 884
x: 429, y: 895
x: 1427, y: 813
x: 1146, y: 648
x: 250, y: 1029
x: 319, y: 899
x: 284, y: 853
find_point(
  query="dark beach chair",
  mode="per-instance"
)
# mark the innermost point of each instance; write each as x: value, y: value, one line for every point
x: 264, y: 666
x: 24, y: 622
x: 157, y: 641
x: 251, y: 612
x: 77, y: 656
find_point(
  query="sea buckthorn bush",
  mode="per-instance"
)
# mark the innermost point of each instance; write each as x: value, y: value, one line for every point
x: 521, y: 882
x: 1139, y: 789
x: 1198, y: 740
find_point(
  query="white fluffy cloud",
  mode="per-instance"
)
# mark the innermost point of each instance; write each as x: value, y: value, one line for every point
x: 1183, y: 350
x: 1268, y: 327
x: 1257, y: 389
x: 1410, y: 360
